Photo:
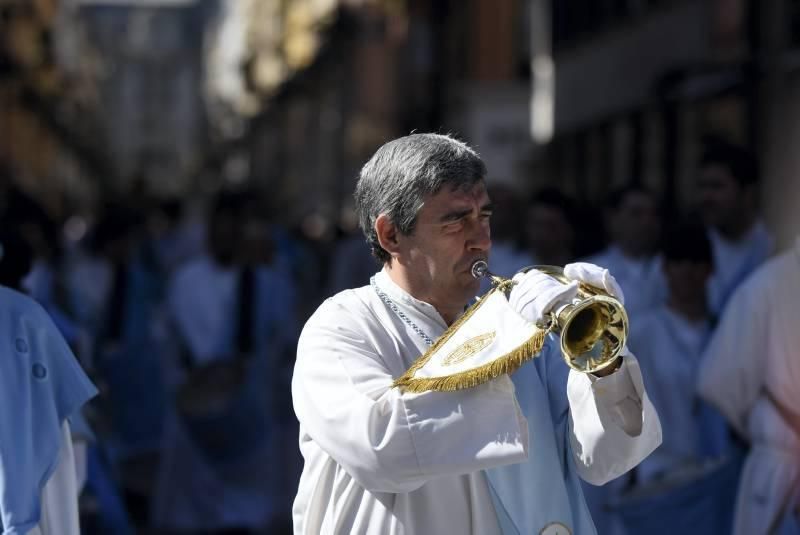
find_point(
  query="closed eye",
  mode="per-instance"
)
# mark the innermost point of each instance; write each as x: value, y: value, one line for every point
x: 454, y: 217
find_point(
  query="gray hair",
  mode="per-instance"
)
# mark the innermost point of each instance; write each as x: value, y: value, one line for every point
x: 398, y: 177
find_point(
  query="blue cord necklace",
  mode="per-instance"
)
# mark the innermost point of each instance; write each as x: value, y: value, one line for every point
x: 394, y: 308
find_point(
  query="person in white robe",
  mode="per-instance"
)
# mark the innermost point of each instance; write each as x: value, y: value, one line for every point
x: 669, y: 342
x: 42, y: 387
x: 750, y: 372
x: 634, y: 226
x: 504, y: 457
x: 695, y: 459
x: 727, y: 187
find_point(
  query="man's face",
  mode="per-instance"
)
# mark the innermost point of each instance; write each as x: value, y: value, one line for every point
x: 452, y: 231
x: 636, y: 224
x: 722, y: 199
x: 686, y: 279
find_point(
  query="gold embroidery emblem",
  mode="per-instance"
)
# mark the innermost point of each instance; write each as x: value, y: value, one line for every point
x: 469, y: 348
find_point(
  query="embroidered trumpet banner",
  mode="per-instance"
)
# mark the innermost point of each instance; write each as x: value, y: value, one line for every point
x: 490, y: 339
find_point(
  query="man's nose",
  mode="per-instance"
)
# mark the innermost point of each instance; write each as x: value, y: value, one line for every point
x: 480, y: 236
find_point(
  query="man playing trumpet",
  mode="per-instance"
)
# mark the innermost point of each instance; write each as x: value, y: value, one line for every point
x: 500, y: 457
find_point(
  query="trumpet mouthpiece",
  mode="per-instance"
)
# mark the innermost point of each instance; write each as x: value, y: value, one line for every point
x: 480, y: 269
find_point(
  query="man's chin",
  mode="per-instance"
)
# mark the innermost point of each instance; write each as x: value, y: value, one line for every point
x: 471, y: 287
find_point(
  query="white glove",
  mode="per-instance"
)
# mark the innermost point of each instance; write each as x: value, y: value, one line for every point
x: 595, y: 276
x: 535, y: 294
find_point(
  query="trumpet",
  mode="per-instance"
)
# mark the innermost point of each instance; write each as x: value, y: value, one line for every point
x: 593, y: 327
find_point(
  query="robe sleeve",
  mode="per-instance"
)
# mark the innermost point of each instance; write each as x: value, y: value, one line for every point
x: 731, y: 373
x: 387, y: 440
x: 613, y: 425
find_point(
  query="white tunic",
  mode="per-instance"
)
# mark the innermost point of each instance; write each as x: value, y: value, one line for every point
x: 382, y: 462
x: 755, y: 351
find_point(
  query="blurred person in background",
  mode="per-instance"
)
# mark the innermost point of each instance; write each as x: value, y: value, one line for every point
x: 16, y: 257
x: 728, y: 193
x: 689, y: 480
x: 42, y: 233
x: 751, y: 373
x: 352, y: 263
x: 42, y: 387
x: 508, y: 254
x: 224, y: 462
x: 505, y: 456
x: 549, y: 228
x: 633, y: 222
x: 172, y: 237
x: 670, y: 341
x: 116, y: 297
x: 44, y: 282
x: 634, y: 227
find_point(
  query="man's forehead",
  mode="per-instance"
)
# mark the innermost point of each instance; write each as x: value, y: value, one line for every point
x: 472, y: 193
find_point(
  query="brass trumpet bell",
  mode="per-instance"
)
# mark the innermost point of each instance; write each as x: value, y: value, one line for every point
x: 593, y: 326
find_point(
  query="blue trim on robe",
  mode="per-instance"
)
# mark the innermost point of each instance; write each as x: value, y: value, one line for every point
x: 546, y: 488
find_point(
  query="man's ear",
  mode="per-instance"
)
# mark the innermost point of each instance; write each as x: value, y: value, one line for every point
x: 387, y: 234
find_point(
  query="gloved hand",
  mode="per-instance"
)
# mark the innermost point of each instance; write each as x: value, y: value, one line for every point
x: 595, y: 276
x: 535, y: 294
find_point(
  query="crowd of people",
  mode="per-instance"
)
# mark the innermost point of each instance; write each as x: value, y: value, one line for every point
x: 188, y: 326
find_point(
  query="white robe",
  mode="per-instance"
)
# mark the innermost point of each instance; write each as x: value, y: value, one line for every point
x: 642, y: 280
x: 382, y: 462
x: 755, y: 350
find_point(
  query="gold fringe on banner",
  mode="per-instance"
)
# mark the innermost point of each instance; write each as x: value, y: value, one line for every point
x: 505, y: 364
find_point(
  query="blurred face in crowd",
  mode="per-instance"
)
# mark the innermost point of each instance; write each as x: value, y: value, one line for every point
x: 223, y: 236
x: 121, y: 248
x: 549, y: 233
x: 686, y: 280
x: 635, y: 224
x: 723, y: 201
x: 16, y: 258
x: 507, y: 214
x: 256, y: 246
x: 451, y: 232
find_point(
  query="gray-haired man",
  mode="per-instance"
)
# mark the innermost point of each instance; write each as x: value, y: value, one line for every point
x: 496, y: 458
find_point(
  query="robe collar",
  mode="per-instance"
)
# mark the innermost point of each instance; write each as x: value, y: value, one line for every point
x: 402, y: 297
